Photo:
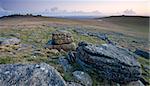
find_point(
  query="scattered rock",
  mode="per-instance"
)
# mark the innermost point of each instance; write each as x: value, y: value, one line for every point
x: 109, y: 62
x: 65, y: 64
x: 83, y: 78
x: 73, y: 84
x: 102, y: 36
x: 142, y: 53
x: 30, y: 75
x: 10, y: 41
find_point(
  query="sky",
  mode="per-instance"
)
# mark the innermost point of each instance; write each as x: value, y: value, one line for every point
x: 75, y: 7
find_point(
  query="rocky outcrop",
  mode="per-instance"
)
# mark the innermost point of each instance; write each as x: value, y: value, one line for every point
x: 109, y: 62
x: 30, y: 75
x: 61, y: 39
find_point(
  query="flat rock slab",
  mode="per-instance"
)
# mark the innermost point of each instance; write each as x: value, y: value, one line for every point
x: 29, y: 75
x: 109, y: 61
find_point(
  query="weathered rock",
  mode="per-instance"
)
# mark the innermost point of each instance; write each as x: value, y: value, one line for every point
x: 142, y: 53
x: 65, y: 47
x: 83, y: 78
x: 109, y: 62
x: 63, y: 41
x: 73, y: 84
x: 30, y: 75
x: 10, y: 41
x: 62, y: 37
x: 65, y: 64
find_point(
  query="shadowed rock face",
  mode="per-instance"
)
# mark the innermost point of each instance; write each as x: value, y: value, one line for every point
x: 110, y: 62
x: 30, y: 75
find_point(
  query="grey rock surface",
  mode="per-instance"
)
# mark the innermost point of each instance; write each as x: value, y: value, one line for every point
x: 109, y: 62
x: 29, y: 75
x: 83, y: 78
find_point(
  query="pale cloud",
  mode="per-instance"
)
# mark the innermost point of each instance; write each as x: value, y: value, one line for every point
x: 129, y: 12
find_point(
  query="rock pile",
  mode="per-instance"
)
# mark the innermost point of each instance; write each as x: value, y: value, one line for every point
x: 62, y: 39
x: 109, y: 62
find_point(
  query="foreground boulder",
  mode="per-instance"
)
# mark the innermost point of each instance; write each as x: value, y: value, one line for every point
x: 109, y: 62
x: 30, y: 75
x: 61, y: 39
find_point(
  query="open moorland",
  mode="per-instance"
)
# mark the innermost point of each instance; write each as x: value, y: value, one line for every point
x: 35, y: 32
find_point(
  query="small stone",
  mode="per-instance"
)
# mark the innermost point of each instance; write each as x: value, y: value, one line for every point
x: 83, y: 78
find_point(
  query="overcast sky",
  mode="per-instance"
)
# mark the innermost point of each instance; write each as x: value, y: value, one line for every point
x: 75, y: 7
